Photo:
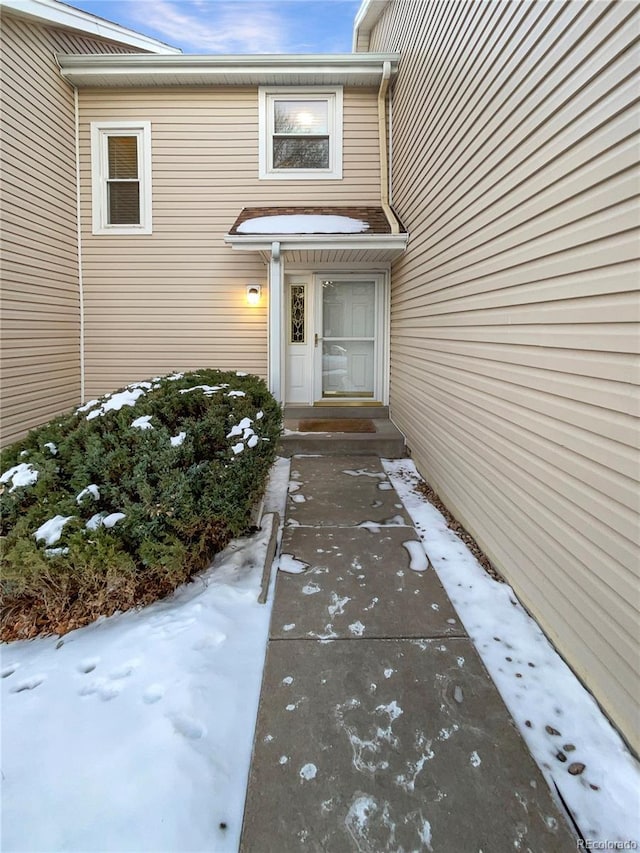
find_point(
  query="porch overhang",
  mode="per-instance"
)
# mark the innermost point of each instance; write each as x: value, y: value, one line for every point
x: 384, y: 246
x: 317, y: 233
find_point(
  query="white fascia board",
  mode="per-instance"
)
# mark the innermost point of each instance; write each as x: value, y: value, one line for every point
x: 122, y: 69
x: 58, y: 14
x: 366, y: 18
x: 253, y: 61
x: 262, y: 242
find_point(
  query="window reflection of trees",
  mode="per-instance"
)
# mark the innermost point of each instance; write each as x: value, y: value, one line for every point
x: 293, y: 149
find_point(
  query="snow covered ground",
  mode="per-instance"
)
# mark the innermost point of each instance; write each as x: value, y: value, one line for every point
x: 563, y: 726
x: 135, y: 733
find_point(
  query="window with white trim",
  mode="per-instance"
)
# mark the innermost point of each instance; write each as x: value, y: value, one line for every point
x: 300, y: 133
x: 121, y: 177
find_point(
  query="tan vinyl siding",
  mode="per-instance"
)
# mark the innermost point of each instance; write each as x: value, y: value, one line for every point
x: 40, y: 299
x: 514, y: 318
x: 67, y: 41
x: 176, y: 299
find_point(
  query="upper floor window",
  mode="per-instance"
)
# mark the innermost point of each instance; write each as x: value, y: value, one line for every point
x: 300, y: 133
x: 121, y: 177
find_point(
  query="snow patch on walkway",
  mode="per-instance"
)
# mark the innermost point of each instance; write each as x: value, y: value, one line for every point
x: 289, y: 564
x: 418, y: 560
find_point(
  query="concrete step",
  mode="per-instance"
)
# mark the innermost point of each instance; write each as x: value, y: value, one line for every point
x: 387, y: 442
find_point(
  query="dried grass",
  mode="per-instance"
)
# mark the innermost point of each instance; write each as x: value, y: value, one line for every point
x: 54, y: 612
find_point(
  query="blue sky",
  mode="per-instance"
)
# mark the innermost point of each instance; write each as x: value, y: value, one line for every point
x: 236, y: 26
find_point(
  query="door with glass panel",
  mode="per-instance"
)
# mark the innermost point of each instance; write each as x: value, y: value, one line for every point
x: 334, y: 338
x: 349, y: 316
x: 299, y: 340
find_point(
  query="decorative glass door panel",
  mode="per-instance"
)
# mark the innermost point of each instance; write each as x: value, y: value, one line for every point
x: 348, y: 338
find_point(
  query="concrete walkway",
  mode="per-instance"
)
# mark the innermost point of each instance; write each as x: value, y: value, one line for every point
x: 379, y: 728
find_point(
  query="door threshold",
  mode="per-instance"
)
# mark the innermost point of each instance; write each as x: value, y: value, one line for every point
x: 354, y: 404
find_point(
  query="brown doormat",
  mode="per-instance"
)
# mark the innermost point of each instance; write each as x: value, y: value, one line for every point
x: 337, y: 425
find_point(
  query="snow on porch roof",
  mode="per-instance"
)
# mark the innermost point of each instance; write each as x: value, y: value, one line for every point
x: 276, y: 221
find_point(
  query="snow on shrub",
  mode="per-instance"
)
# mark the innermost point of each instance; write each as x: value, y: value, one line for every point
x: 146, y: 485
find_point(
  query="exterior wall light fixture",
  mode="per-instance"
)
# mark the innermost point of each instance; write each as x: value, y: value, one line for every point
x: 253, y: 294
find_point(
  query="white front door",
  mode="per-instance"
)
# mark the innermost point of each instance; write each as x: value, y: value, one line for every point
x: 298, y: 328
x: 335, y: 328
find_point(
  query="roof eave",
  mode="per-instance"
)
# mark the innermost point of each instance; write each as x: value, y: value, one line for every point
x: 366, y: 18
x: 57, y: 14
x: 126, y: 69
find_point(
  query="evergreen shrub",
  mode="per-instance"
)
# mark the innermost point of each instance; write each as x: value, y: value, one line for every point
x: 175, y: 466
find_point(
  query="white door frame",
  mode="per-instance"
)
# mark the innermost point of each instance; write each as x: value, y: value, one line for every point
x: 313, y: 279
x: 276, y: 324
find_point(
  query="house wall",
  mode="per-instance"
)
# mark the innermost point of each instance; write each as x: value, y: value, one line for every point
x: 515, y: 308
x: 176, y: 299
x: 40, y: 301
